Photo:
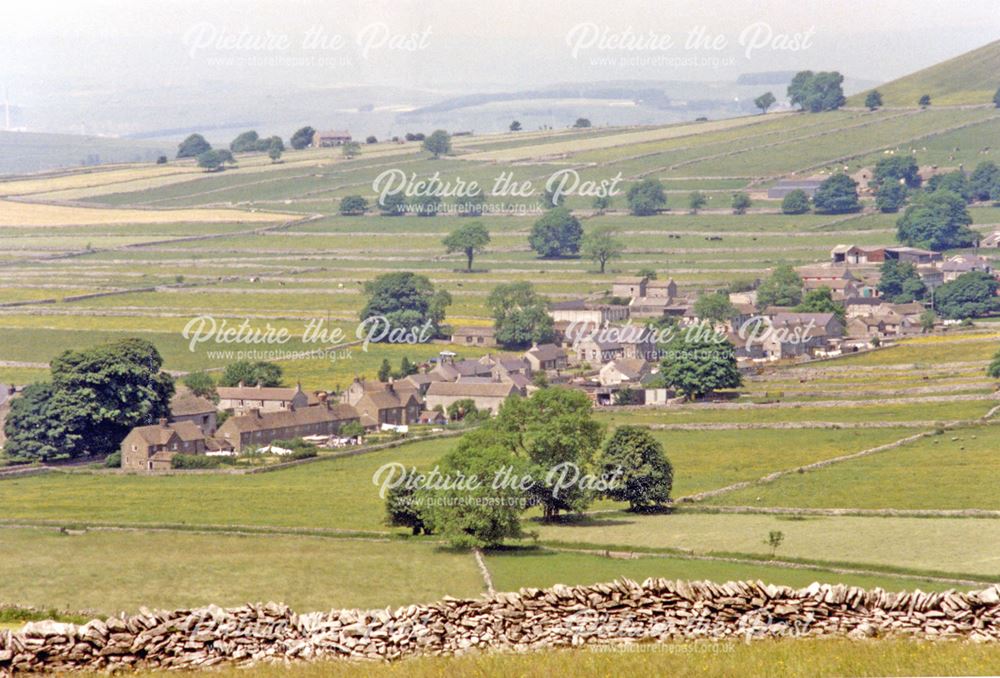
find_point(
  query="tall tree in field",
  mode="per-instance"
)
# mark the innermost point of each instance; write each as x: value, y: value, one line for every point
x: 764, y: 101
x: 896, y: 168
x: 555, y: 432
x: 581, y: 123
x: 470, y: 239
x: 350, y: 149
x: 515, y: 126
x: 873, y: 100
x: 782, y: 288
x: 601, y: 246
x: 741, y: 202
x: 520, y: 315
x: 796, y: 202
x: 643, y: 474
x: 936, y: 221
x: 438, y: 143
x: 406, y: 300
x: 696, y: 200
x: 353, y: 205
x: 925, y: 100
x: 302, y: 138
x: 837, y: 195
x: 193, y: 146
x: 817, y: 92
x: 556, y: 234
x: 646, y: 197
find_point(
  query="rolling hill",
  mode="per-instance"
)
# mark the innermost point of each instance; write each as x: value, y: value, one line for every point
x: 970, y: 78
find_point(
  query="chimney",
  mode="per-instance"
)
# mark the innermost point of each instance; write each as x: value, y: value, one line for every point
x: 254, y: 412
x: 260, y: 385
x: 163, y: 422
x: 241, y: 384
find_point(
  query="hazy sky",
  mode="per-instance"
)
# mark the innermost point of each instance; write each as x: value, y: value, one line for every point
x: 444, y: 44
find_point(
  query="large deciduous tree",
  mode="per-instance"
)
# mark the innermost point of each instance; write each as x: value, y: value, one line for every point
x: 646, y: 197
x: 251, y: 373
x: 193, y: 146
x: 837, y: 195
x: 556, y: 234
x: 406, y: 300
x: 936, y: 221
x: 601, y: 246
x: 782, y: 288
x: 900, y: 282
x: 968, y: 296
x: 470, y: 239
x: 642, y: 474
x: 520, y: 315
x: 438, y: 143
x: 697, y: 362
x: 302, y: 138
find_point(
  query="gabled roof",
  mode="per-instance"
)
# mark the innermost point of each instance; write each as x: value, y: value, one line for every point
x: 160, y: 434
x: 317, y: 414
x: 257, y: 392
x: 632, y: 368
x: 545, y: 352
x: 494, y: 389
x: 186, y: 404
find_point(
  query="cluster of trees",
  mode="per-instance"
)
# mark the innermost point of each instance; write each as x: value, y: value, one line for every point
x: 407, y: 301
x: 782, y: 288
x: 94, y: 398
x: 816, y: 92
x: 527, y: 439
x: 520, y: 315
x: 406, y: 368
x: 900, y: 282
x: 250, y: 141
x: 967, y: 296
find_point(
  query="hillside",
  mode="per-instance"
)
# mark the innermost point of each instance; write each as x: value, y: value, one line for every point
x: 970, y: 78
x: 25, y: 152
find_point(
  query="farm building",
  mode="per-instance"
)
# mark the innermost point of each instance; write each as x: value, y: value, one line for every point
x: 786, y: 186
x: 330, y: 138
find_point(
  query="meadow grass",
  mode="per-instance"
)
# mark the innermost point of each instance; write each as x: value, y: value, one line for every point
x: 952, y: 545
x: 785, y: 658
x: 172, y: 570
x: 955, y: 470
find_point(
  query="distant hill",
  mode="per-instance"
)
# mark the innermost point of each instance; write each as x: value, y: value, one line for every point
x: 970, y: 78
x: 26, y: 152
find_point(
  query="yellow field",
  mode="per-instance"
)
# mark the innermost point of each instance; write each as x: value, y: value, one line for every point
x: 36, y: 214
x: 76, y: 180
x: 599, y: 142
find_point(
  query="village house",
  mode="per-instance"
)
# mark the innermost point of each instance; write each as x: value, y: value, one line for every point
x: 186, y: 406
x: 798, y: 334
x: 960, y: 264
x: 474, y: 336
x: 330, y: 138
x: 546, y: 357
x: 612, y: 343
x: 627, y: 371
x: 385, y: 404
x: 153, y: 447
x: 241, y: 399
x: 839, y: 289
x: 629, y: 288
x: 853, y: 254
x: 487, y: 395
x: 258, y: 429
x: 582, y: 311
x: 820, y: 275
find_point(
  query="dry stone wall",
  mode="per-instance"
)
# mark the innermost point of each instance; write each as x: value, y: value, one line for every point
x: 620, y: 612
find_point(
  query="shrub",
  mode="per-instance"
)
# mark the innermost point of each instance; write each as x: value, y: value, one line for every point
x: 113, y: 460
x: 193, y: 461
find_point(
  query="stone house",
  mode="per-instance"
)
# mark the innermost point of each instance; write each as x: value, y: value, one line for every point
x: 583, y: 311
x: 153, y: 447
x: 961, y: 264
x: 545, y: 357
x: 330, y: 138
x: 389, y: 405
x: 242, y: 399
x: 626, y: 371
x: 488, y: 395
x: 186, y: 406
x: 258, y: 429
x: 629, y: 287
x: 474, y: 336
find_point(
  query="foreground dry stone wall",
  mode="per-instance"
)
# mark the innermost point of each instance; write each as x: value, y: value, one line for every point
x: 620, y: 612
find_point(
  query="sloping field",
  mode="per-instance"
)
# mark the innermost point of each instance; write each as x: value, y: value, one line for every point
x: 14, y: 213
x: 970, y: 78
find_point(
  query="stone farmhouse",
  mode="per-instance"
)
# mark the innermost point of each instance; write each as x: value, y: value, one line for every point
x: 380, y: 403
x: 584, y: 311
x: 202, y: 412
x: 474, y: 336
x: 258, y: 429
x: 486, y: 394
x: 546, y: 357
x: 330, y: 138
x: 242, y: 399
x: 151, y: 448
x: 624, y: 371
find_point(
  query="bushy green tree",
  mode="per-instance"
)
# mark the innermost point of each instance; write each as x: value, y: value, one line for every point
x: 251, y: 373
x: 924, y: 100
x: 764, y: 101
x: 821, y: 301
x: 556, y: 234
x: 470, y: 239
x: 936, y: 221
x: 795, y: 202
x: 697, y: 362
x: 985, y: 179
x: 193, y: 146
x: 405, y: 300
x: 817, y: 92
x: 896, y: 168
x: 955, y: 182
x: 438, y: 143
x: 696, y: 201
x: 581, y: 123
x: 643, y: 475
x: 646, y: 197
x: 714, y: 307
x: 993, y: 369
x: 900, y: 282
x: 873, y: 100
x: 782, y: 288
x: 392, y: 205
x: 353, y: 205
x: 838, y: 194
x: 969, y: 295
x: 201, y: 384
x: 245, y: 142
x: 403, y: 504
x: 890, y: 197
x: 302, y: 138
x: 520, y: 315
